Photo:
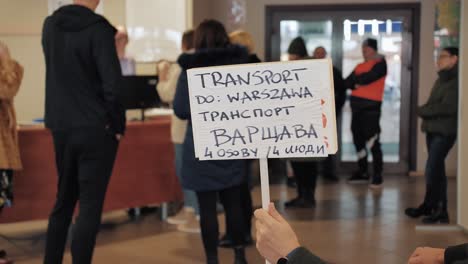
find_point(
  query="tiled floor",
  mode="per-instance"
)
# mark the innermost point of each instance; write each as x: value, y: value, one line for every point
x: 351, y: 224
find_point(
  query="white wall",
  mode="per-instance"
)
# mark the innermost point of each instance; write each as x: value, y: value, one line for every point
x: 20, y: 28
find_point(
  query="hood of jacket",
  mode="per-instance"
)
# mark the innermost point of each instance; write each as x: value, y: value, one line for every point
x: 73, y: 18
x: 232, y: 54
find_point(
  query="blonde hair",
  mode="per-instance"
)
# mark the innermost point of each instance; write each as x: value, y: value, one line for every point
x: 8, y: 71
x: 242, y: 38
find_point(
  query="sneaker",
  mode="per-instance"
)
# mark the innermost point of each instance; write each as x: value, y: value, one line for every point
x: 359, y: 178
x: 191, y: 226
x: 182, y: 217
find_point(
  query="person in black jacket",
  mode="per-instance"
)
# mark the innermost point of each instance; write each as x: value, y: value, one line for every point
x: 213, y: 178
x: 277, y: 242
x: 452, y: 255
x: 86, y: 120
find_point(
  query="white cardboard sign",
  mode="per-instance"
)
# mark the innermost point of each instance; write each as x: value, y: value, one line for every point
x: 263, y: 110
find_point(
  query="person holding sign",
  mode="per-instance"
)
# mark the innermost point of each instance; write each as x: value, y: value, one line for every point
x: 367, y: 82
x: 210, y: 179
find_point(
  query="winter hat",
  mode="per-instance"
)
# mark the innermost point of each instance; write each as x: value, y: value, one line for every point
x: 298, y: 47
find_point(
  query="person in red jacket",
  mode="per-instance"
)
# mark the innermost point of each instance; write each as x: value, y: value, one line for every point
x: 367, y: 82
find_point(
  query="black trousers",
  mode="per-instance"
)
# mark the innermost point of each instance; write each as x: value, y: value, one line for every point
x: 365, y: 126
x: 246, y: 202
x: 247, y: 207
x: 84, y: 158
x: 306, y: 177
x: 438, y: 147
x: 231, y: 200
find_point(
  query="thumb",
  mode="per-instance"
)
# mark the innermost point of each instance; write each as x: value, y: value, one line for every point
x: 274, y: 213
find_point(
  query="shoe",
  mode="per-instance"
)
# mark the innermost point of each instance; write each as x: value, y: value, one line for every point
x: 438, y: 216
x: 192, y: 226
x: 359, y: 178
x: 377, y: 181
x: 239, y: 256
x: 300, y: 202
x: 226, y: 241
x: 291, y: 182
x: 182, y: 217
x: 417, y: 212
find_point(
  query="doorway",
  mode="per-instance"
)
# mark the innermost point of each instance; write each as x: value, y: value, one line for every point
x: 340, y: 29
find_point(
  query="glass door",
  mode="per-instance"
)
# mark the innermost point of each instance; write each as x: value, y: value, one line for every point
x: 341, y: 32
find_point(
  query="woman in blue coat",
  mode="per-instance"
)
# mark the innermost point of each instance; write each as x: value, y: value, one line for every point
x: 212, y: 179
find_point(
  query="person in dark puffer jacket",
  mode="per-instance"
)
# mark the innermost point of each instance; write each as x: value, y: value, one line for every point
x: 210, y: 179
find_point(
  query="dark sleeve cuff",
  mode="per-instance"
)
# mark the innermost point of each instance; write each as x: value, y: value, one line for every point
x: 456, y: 253
x: 302, y: 255
x: 292, y: 253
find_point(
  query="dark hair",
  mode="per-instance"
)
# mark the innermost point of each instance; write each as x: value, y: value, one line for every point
x: 187, y: 39
x: 298, y: 47
x: 210, y: 34
x: 451, y: 50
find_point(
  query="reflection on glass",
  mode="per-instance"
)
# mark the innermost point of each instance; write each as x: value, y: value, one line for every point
x: 389, y: 36
x: 314, y: 33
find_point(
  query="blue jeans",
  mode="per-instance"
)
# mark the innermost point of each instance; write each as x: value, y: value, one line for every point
x: 438, y: 147
x: 190, y: 198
